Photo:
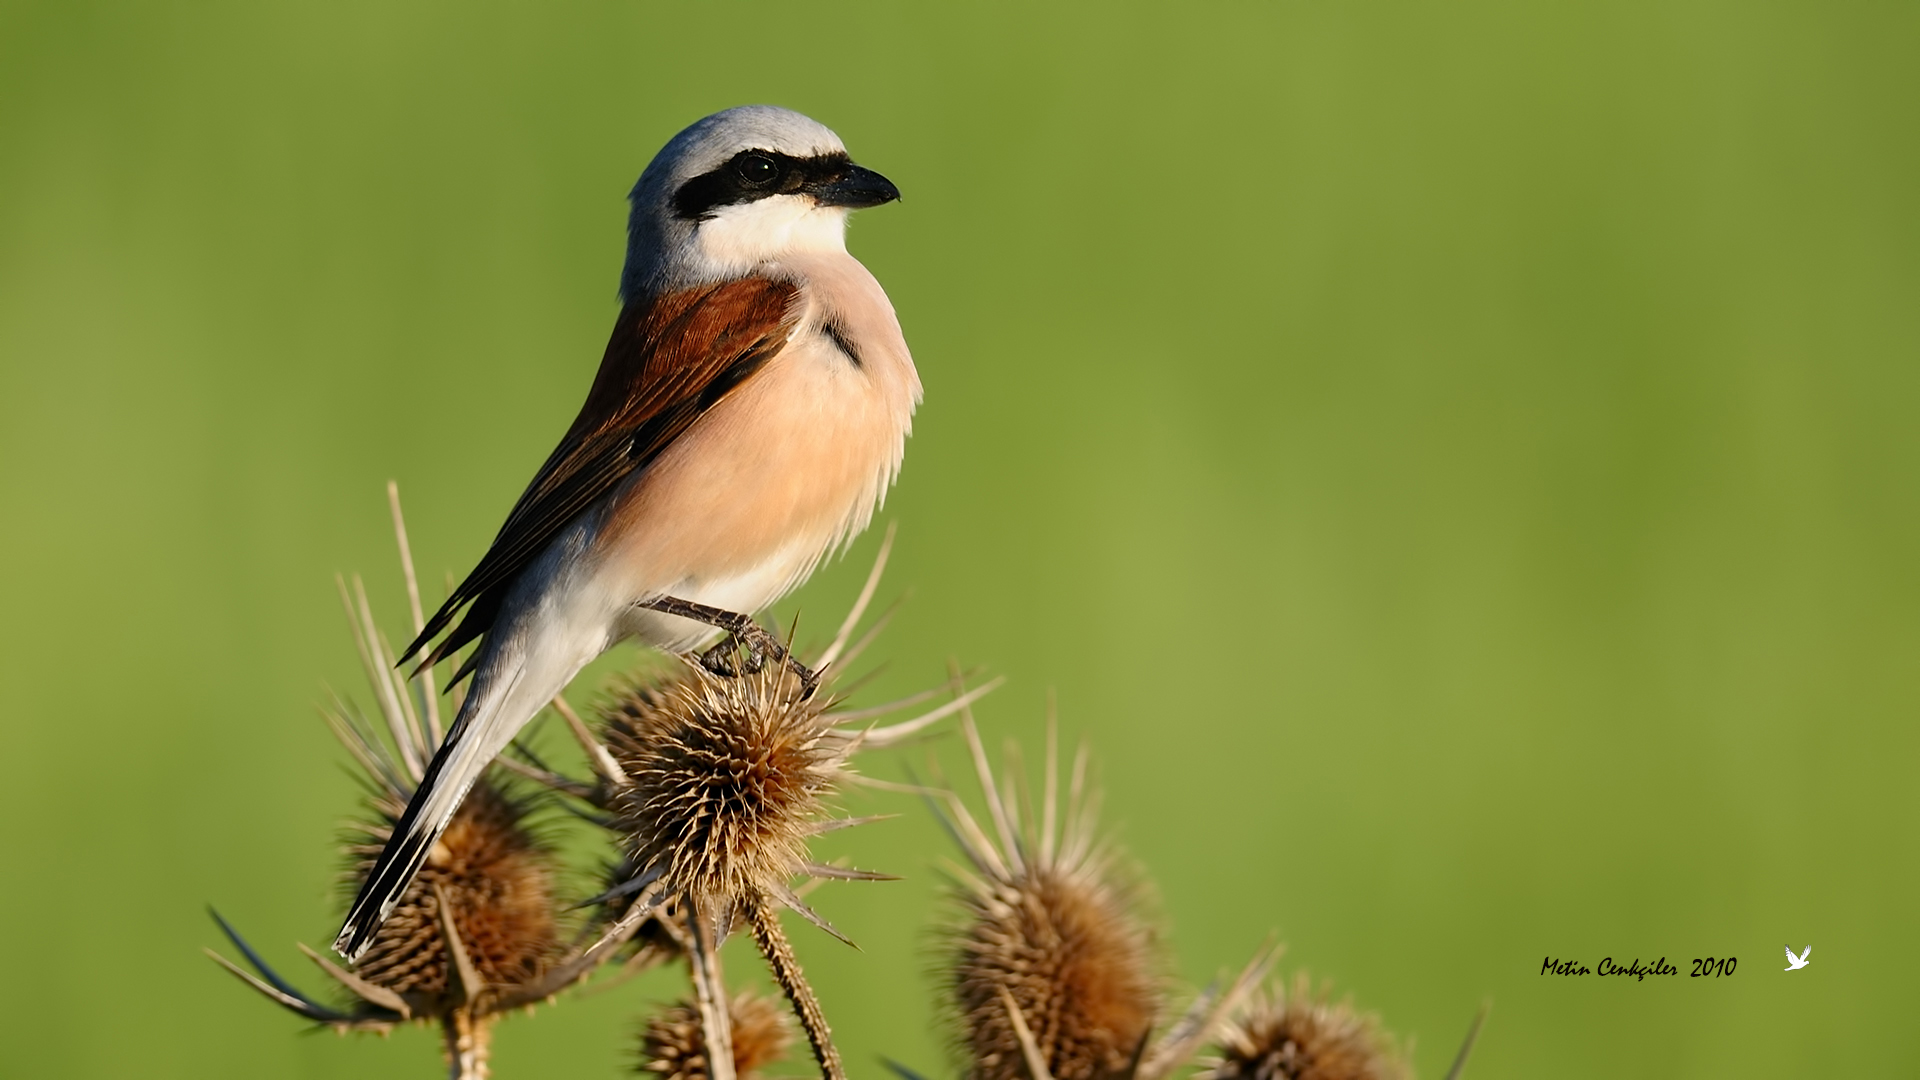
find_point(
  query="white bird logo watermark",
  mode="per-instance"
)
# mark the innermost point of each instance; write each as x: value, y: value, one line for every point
x: 1795, y: 963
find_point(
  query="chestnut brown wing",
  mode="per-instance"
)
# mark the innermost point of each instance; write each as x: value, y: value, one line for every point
x: 670, y: 359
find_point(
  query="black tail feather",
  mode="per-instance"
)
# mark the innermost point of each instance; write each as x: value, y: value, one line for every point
x: 399, y: 862
x: 478, y: 620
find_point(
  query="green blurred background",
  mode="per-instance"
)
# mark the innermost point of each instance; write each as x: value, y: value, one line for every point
x: 1457, y: 463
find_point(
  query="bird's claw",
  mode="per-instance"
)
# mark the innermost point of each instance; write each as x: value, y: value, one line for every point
x: 746, y: 652
x: 742, y: 654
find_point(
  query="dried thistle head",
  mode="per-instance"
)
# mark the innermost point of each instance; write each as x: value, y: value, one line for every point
x: 1300, y: 1036
x: 1061, y: 946
x: 715, y: 782
x: 1050, y: 963
x: 728, y: 778
x: 475, y: 936
x: 1050, y: 956
x: 673, y: 1042
x: 723, y: 780
x: 491, y: 875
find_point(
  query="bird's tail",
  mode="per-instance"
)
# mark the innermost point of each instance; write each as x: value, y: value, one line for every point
x: 508, y: 689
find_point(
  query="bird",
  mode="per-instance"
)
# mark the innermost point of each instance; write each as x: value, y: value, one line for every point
x: 1795, y: 963
x: 747, y: 419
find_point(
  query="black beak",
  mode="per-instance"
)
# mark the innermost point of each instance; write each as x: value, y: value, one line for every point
x: 855, y: 189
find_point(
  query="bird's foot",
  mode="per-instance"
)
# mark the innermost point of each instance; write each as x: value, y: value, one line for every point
x: 742, y: 653
x: 746, y: 651
x: 747, y: 647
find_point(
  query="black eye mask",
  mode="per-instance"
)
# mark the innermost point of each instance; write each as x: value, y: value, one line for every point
x: 832, y: 179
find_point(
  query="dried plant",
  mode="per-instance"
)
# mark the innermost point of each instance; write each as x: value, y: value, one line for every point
x: 673, y: 1042
x: 1051, y: 966
x: 727, y: 782
x: 1298, y: 1035
x: 492, y: 876
x: 475, y: 936
x: 714, y: 781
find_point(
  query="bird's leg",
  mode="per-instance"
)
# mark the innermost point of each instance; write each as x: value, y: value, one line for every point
x: 742, y: 630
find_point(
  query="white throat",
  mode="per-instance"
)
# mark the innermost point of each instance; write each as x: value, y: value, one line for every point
x: 735, y: 239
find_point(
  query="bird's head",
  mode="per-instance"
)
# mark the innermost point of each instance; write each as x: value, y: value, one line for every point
x: 738, y: 189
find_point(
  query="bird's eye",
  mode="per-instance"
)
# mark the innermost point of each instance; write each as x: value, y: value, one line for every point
x: 756, y: 170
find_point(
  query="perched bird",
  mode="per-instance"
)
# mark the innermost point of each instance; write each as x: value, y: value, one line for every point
x: 1795, y: 963
x: 749, y: 414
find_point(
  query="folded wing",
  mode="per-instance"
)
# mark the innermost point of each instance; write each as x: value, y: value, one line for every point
x: 670, y: 359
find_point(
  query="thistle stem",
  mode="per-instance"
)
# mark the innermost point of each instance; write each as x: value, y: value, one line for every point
x: 710, y: 993
x: 469, y: 1038
x: 786, y: 971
